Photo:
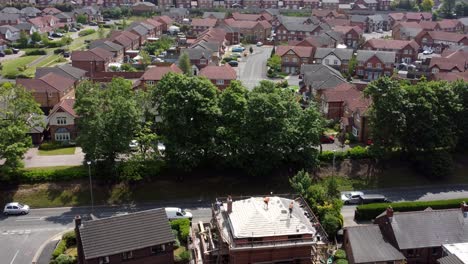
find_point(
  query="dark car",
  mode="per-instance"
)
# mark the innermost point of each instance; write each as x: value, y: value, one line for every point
x: 93, y: 23
x: 327, y: 139
x: 66, y: 54
x: 373, y: 198
x: 233, y: 63
x: 15, y: 51
x: 2, y: 54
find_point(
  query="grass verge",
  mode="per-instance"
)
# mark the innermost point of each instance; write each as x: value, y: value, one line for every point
x: 11, y: 66
x: 60, y: 151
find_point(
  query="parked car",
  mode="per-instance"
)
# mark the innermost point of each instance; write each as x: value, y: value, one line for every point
x: 50, y: 38
x: 15, y: 51
x: 66, y: 54
x: 177, y: 213
x: 238, y: 49
x: 16, y: 208
x: 351, y: 197
x: 259, y: 44
x: 233, y: 63
x: 327, y: 139
x: 2, y: 54
x: 373, y: 198
x: 428, y: 52
x: 57, y: 35
x: 73, y: 30
x: 93, y: 24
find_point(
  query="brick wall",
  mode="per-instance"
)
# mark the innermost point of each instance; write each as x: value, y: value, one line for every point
x: 141, y: 256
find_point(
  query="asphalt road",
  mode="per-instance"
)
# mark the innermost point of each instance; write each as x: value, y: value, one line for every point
x: 22, y: 236
x: 253, y: 68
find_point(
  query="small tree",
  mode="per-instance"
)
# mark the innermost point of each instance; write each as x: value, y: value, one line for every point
x: 145, y: 59
x: 64, y: 259
x: 35, y: 37
x: 301, y: 182
x: 101, y: 32
x: 82, y: 19
x: 274, y: 62
x: 23, y: 40
x: 332, y: 188
x: 184, y: 64
x: 331, y: 223
x: 427, y: 5
x: 352, y: 66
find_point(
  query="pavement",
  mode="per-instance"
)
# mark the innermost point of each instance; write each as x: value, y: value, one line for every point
x: 252, y: 69
x: 22, y: 236
x: 32, y: 159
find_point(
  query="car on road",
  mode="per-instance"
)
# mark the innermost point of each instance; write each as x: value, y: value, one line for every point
x: 233, y: 63
x: 259, y: 44
x: 327, y: 139
x: 428, y: 52
x: 351, y: 197
x: 66, y: 54
x: 372, y: 198
x: 238, y: 49
x: 16, y: 209
x: 177, y: 213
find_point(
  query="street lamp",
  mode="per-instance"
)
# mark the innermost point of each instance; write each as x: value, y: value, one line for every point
x: 90, y: 185
x: 334, y: 155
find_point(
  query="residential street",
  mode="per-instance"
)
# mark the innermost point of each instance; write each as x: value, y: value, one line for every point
x: 22, y: 236
x: 253, y: 69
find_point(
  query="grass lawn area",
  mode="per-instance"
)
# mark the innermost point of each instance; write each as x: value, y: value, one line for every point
x: 79, y: 42
x: 11, y: 66
x: 60, y: 151
x: 50, y: 61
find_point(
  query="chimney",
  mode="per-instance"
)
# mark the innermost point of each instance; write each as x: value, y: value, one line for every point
x: 229, y: 204
x: 79, y: 245
x: 389, y: 213
x: 464, y: 209
x: 77, y: 221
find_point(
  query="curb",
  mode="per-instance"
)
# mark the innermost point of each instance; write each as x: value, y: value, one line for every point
x: 41, y: 248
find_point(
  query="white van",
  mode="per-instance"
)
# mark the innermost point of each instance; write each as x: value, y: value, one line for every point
x: 177, y: 213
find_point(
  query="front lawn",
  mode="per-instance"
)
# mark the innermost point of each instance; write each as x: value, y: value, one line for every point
x: 10, y: 67
x: 60, y: 151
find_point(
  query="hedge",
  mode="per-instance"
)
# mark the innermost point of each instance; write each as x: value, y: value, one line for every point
x: 69, y: 238
x: 51, y: 174
x: 36, y: 52
x: 357, y: 152
x: 54, y: 145
x: 183, y: 228
x: 86, y: 32
x: 371, y: 211
x: 59, y: 249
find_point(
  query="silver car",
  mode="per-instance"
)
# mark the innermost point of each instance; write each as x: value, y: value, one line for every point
x: 351, y: 197
x: 16, y: 208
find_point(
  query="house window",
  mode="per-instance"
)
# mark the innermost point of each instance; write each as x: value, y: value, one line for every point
x: 62, y: 134
x: 219, y: 82
x: 327, y: 61
x: 203, y: 61
x: 360, y: 72
x: 104, y: 260
x: 61, y: 120
x: 388, y: 65
x: 335, y: 62
x: 158, y: 249
x: 424, y: 40
x: 304, y: 60
x: 294, y: 59
x: 410, y: 252
x: 435, y: 70
x: 355, y: 132
x: 369, y: 65
x: 127, y: 255
x: 434, y: 252
x: 286, y: 59
x: 349, y: 36
x: 150, y: 82
x: 379, y: 66
x: 361, y: 63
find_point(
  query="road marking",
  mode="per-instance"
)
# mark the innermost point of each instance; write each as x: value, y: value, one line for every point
x: 14, y: 257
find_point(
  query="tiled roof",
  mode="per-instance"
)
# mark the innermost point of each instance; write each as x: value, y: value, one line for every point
x: 383, y: 56
x: 9, y: 17
x: 319, y: 76
x: 224, y: 72
x: 66, y: 105
x: 448, y: 23
x: 47, y: 83
x: 5, y: 28
x: 447, y: 36
x: 117, y: 234
x: 368, y: 245
x: 448, y: 64
x: 342, y: 54
x: 153, y: 22
x: 218, y: 15
x: 338, y: 22
x: 392, y: 44
x: 158, y: 72
x: 397, y: 16
x: 10, y: 10
x: 451, y: 76
x: 164, y: 19
x: 65, y: 70
x: 246, y: 17
x: 95, y: 54
x: 204, y: 22
x: 303, y: 52
x: 346, y: 29
x: 51, y: 10
x: 106, y: 44
x: 450, y: 259
x: 341, y: 92
x: 198, y: 53
x: 246, y: 24
x: 423, y: 229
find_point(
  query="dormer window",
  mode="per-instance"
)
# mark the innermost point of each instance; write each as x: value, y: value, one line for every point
x: 61, y: 120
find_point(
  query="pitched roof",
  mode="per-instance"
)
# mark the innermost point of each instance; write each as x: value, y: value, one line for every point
x: 450, y: 259
x: 5, y: 28
x: 448, y: 64
x: 423, y: 229
x: 164, y: 19
x: 10, y: 10
x: 319, y: 76
x: 346, y: 29
x: 368, y: 245
x: 358, y: 18
x: 247, y: 17
x: 30, y: 10
x: 224, y: 72
x: 204, y: 22
x: 94, y: 54
x: 106, y: 44
x: 218, y: 15
x: 158, y: 72
x: 342, y: 54
x: 383, y: 56
x: 301, y: 51
x: 117, y: 234
x: 9, y: 17
x: 64, y: 70
x: 341, y: 92
x: 66, y: 105
x: 244, y: 24
x: 47, y: 83
x: 51, y: 10
x: 447, y: 36
x: 198, y: 53
x: 451, y: 76
x: 392, y: 44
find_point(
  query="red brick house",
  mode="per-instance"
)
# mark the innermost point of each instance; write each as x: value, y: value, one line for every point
x: 292, y: 57
x: 93, y: 60
x: 158, y: 26
x: 299, y: 29
x: 409, y: 17
x: 351, y: 35
x: 221, y: 76
x: 452, y: 64
x: 139, y: 238
x: 405, y: 50
x: 439, y: 40
x: 49, y: 89
x: 311, y: 4
x: 355, y: 119
x: 450, y: 25
x: 251, y: 17
x: 250, y: 31
x: 332, y: 100
x: 368, y: 4
x: 61, y: 121
x: 154, y: 74
x: 166, y: 22
x: 198, y: 25
x: 323, y: 14
x: 374, y: 64
x: 292, y: 4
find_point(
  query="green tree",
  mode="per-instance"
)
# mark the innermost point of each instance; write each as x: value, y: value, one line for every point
x: 124, y: 23
x: 426, y: 5
x: 461, y: 9
x: 352, y: 66
x: 19, y: 114
x: 145, y: 59
x: 275, y: 63
x: 36, y: 37
x: 101, y: 116
x: 184, y: 64
x: 331, y: 223
x: 147, y: 140
x: 301, y: 183
x: 461, y: 89
x: 23, y: 40
x: 332, y: 188
x: 188, y: 108
x: 64, y: 259
x: 82, y: 19
x: 101, y: 32
x: 448, y: 8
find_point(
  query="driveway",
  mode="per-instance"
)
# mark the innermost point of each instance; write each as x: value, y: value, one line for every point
x: 12, y: 56
x: 252, y: 69
x: 32, y: 159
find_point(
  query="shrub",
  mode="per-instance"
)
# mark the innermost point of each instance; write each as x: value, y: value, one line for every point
x: 59, y: 249
x: 50, y: 146
x: 436, y: 164
x: 183, y: 228
x: 340, y: 254
x: 331, y: 223
x: 34, y: 175
x: 370, y: 211
x: 59, y: 51
x: 8, y: 51
x: 64, y: 259
x: 358, y: 152
x: 341, y: 261
x: 327, y: 156
x: 36, y: 52
x: 185, y: 255
x: 86, y: 32
x: 69, y: 238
